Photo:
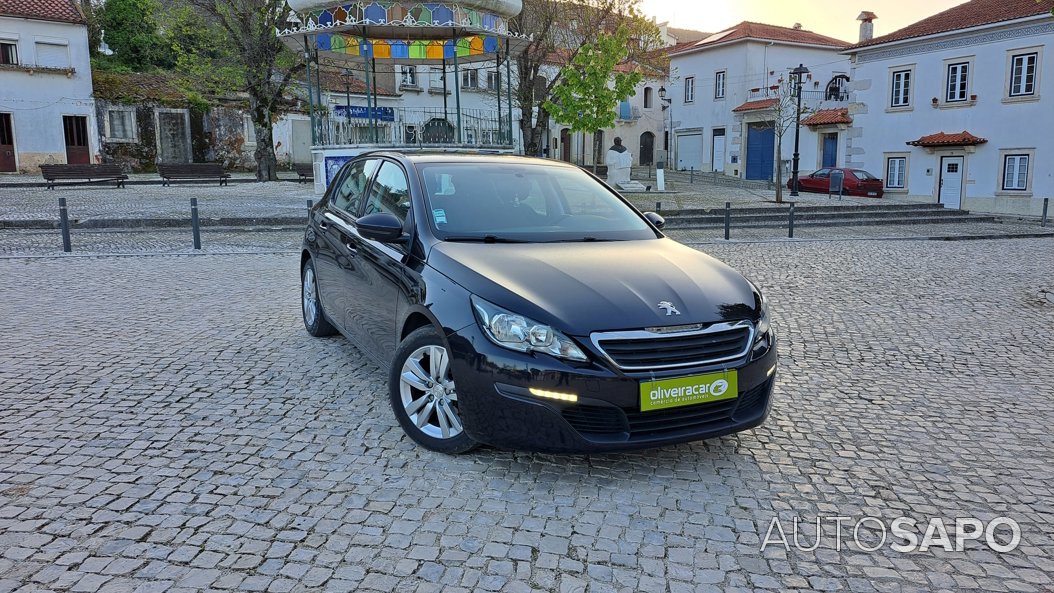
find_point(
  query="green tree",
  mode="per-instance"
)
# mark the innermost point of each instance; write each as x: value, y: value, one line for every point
x: 132, y: 33
x: 590, y: 89
x: 558, y: 30
x: 247, y: 54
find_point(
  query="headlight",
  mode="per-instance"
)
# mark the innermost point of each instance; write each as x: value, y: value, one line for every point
x: 516, y: 332
x: 762, y: 327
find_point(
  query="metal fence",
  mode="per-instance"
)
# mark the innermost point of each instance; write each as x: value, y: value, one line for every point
x: 412, y: 127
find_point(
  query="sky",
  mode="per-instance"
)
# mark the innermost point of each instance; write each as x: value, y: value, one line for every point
x: 834, y: 18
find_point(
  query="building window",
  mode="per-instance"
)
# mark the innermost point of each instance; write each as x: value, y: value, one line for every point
x: 8, y: 54
x: 837, y: 89
x: 689, y: 89
x: 901, y: 89
x: 53, y: 55
x: 958, y: 82
x: 648, y: 97
x: 719, y: 85
x: 408, y: 76
x: 120, y: 125
x: 493, y: 80
x: 896, y: 172
x: 470, y: 79
x: 1015, y: 172
x: 1023, y: 75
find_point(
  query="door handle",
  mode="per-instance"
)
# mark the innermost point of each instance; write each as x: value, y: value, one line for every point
x: 322, y: 224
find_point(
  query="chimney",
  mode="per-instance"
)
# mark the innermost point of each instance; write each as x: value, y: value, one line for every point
x: 867, y: 25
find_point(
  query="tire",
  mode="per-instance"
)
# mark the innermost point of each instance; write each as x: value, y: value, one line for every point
x: 311, y: 306
x: 423, y: 395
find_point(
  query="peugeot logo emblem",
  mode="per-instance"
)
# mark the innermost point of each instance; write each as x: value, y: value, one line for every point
x: 669, y: 308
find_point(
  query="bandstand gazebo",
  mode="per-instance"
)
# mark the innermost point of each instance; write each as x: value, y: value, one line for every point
x: 355, y: 36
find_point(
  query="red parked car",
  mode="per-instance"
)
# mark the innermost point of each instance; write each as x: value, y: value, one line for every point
x: 857, y: 182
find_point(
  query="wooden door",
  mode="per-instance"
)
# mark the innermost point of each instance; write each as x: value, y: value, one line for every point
x: 7, y: 144
x: 75, y: 129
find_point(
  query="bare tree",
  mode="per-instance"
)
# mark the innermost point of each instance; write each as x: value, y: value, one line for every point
x: 784, y: 112
x: 265, y: 64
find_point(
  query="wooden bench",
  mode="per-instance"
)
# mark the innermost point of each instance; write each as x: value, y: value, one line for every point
x: 304, y: 172
x: 192, y: 171
x: 82, y: 174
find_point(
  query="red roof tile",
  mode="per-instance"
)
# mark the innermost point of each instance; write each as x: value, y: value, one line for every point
x: 65, y: 11
x: 749, y: 30
x: 828, y: 117
x: 334, y: 81
x: 963, y: 138
x: 756, y: 105
x: 971, y: 14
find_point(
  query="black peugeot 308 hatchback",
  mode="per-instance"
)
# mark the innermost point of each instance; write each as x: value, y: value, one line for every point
x: 522, y: 303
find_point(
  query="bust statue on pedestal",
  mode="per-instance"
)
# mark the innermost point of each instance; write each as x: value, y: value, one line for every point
x: 619, y: 161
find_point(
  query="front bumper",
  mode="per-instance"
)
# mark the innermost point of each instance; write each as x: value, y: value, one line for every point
x: 498, y: 409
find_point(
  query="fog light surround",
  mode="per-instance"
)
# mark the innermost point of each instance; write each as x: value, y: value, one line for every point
x: 556, y: 395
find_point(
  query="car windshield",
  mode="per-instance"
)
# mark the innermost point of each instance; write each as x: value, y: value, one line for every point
x: 525, y: 203
x: 863, y: 175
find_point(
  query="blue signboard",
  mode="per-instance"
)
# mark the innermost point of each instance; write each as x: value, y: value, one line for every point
x: 333, y: 165
x: 362, y: 112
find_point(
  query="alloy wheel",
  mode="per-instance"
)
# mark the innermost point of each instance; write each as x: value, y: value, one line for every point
x: 428, y: 394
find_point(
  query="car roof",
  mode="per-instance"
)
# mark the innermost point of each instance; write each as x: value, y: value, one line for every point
x: 438, y: 156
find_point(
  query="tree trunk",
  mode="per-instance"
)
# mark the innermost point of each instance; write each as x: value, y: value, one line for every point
x: 266, y: 160
x: 532, y: 137
x: 596, y: 151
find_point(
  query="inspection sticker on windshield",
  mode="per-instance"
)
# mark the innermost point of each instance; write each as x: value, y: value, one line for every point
x: 439, y: 215
x: 686, y: 391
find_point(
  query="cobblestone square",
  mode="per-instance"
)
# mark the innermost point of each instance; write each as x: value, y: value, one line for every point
x: 167, y: 425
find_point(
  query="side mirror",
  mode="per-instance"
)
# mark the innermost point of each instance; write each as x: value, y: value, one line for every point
x: 381, y: 226
x: 655, y: 219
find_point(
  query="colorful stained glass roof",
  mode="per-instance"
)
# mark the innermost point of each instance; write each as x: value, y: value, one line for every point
x: 412, y: 32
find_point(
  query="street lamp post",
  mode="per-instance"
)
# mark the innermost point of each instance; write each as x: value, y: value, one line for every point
x: 798, y: 73
x: 667, y: 104
x: 347, y: 74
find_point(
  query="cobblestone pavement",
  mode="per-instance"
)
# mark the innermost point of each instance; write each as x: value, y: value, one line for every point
x: 947, y: 230
x: 247, y: 200
x: 165, y: 241
x: 263, y: 239
x: 167, y: 425
x: 278, y: 199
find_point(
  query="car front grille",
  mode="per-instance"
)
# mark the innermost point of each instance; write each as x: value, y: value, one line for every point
x: 651, y: 350
x: 611, y: 420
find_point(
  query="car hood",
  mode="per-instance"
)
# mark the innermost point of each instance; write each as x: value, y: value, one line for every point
x: 585, y: 287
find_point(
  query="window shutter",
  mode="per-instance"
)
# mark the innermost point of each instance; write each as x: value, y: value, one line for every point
x: 53, y: 55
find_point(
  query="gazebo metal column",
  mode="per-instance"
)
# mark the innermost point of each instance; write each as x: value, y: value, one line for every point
x: 310, y: 93
x: 457, y: 90
x: 497, y: 88
x: 508, y: 86
x: 366, y: 76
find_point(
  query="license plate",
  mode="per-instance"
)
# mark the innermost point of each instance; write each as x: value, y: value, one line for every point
x: 872, y: 194
x: 687, y: 391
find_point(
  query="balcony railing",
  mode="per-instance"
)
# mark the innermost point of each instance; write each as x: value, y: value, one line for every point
x: 403, y: 126
x: 807, y: 96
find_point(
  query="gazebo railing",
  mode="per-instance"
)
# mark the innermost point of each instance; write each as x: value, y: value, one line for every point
x: 411, y: 126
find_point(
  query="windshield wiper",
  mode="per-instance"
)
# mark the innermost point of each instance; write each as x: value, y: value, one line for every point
x: 579, y: 240
x: 483, y: 239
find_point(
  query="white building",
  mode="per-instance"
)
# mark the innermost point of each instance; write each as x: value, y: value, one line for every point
x: 952, y: 109
x: 47, y: 114
x: 722, y: 91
